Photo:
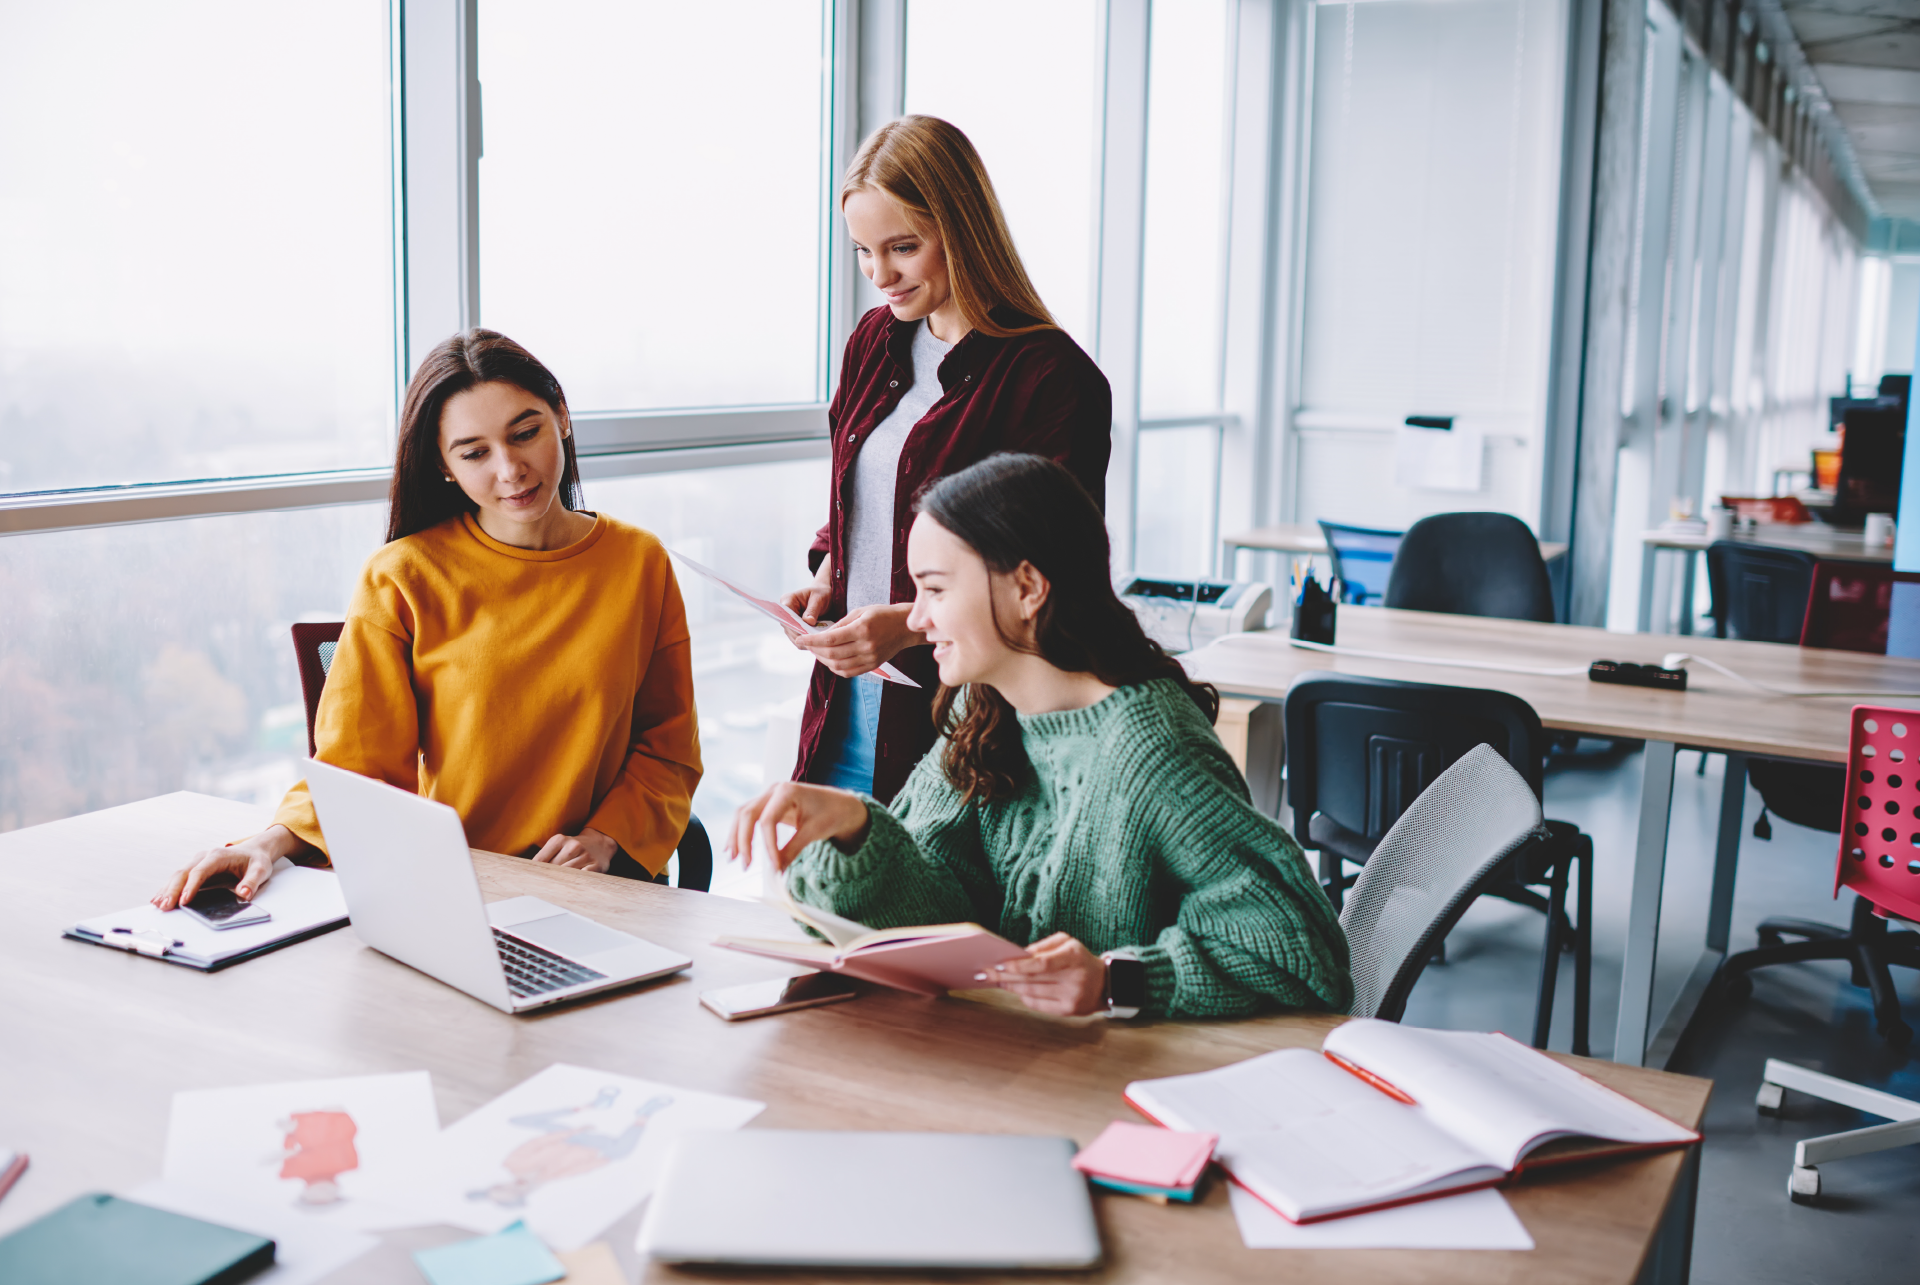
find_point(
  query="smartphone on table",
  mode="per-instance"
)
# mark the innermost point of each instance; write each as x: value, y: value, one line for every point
x: 222, y: 908
x: 758, y: 999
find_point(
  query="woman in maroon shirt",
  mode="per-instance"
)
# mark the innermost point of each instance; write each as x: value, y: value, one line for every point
x: 962, y: 362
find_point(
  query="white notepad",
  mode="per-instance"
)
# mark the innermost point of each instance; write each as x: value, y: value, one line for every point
x: 302, y: 900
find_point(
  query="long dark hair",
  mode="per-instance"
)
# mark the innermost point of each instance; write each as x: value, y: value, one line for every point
x: 421, y: 496
x: 1011, y: 509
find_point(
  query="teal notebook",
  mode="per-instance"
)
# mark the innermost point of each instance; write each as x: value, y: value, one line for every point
x: 103, y: 1240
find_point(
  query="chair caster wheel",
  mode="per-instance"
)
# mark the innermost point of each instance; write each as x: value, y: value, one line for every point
x: 1897, y: 1034
x: 1768, y: 1099
x: 1739, y: 986
x: 1804, y: 1185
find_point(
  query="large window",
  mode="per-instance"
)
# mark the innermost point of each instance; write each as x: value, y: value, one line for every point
x: 1019, y: 79
x: 651, y: 196
x: 196, y: 240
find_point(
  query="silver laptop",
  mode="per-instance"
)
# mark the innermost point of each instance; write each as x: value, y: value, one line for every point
x: 411, y: 893
x: 789, y: 1198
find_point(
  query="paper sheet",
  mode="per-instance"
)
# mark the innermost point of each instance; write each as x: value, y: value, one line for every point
x: 303, y: 1251
x: 338, y: 1153
x: 298, y: 898
x: 780, y: 615
x: 1473, y: 1220
x: 1439, y: 459
x: 569, y: 1150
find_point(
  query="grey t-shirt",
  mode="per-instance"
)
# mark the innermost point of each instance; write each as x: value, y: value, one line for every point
x: 876, y: 471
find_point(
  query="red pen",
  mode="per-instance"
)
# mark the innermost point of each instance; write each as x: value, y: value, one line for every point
x: 12, y: 1165
x: 1397, y: 1095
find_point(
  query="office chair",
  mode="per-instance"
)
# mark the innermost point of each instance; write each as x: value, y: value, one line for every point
x: 1362, y: 558
x: 314, y: 646
x: 1879, y: 862
x: 1849, y: 607
x: 1472, y: 564
x: 1361, y: 750
x: 1758, y: 593
x: 1452, y: 840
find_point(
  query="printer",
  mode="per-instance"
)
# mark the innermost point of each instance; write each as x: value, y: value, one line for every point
x: 1182, y: 615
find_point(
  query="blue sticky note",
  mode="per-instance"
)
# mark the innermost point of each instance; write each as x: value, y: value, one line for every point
x: 511, y: 1257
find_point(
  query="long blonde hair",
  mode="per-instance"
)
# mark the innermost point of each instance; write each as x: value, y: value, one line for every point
x: 929, y: 168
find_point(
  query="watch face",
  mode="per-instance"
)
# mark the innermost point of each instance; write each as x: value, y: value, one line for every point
x: 1126, y: 983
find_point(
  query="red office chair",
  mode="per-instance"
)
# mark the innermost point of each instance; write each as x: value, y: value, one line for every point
x: 314, y: 645
x: 1879, y: 860
x: 1849, y: 607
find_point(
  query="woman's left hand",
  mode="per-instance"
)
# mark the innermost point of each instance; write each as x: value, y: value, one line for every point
x: 1057, y: 975
x: 588, y: 850
x: 862, y: 641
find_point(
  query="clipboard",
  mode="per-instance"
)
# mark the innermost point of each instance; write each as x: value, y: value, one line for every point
x: 780, y: 614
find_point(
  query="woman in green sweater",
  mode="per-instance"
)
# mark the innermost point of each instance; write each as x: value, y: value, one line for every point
x: 1078, y: 800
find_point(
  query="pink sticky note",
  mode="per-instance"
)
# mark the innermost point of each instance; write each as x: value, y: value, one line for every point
x: 1148, y: 1155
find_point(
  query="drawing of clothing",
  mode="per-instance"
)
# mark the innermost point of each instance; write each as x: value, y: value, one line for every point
x: 567, y: 1147
x: 320, y: 1146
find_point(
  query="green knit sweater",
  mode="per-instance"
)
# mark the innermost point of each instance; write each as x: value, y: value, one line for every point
x: 1133, y: 829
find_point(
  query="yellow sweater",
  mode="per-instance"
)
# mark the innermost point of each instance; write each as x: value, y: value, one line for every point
x: 535, y: 693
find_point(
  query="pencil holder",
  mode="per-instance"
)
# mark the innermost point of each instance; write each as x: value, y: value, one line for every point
x: 1313, y: 615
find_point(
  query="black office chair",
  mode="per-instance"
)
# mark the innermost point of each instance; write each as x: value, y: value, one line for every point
x: 1472, y: 564
x: 1362, y: 559
x: 314, y: 645
x: 1361, y: 750
x: 1757, y: 593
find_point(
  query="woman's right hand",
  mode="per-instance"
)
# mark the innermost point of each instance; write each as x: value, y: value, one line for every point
x: 809, y: 602
x: 249, y: 861
x: 814, y: 811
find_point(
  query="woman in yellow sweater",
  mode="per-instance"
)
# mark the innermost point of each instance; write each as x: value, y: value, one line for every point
x: 505, y: 653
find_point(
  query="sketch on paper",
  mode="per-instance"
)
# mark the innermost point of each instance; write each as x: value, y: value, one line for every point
x: 568, y: 1142
x: 569, y: 1151
x: 344, y: 1152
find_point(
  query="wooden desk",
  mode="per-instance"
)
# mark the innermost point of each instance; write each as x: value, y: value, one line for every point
x: 1833, y: 544
x: 1305, y: 538
x: 99, y: 1042
x: 1714, y: 713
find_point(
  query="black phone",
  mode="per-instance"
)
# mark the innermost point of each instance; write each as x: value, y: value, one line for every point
x: 757, y: 999
x: 222, y: 908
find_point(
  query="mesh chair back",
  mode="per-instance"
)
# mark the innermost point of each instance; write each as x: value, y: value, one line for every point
x: 1759, y: 594
x: 1849, y: 607
x: 313, y: 646
x: 1362, y: 559
x: 1880, y: 846
x: 1472, y: 564
x: 1427, y: 869
x: 1361, y: 750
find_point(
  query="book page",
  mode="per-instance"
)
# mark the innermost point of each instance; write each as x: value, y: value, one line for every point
x: 1494, y: 1093
x: 1311, y: 1138
x: 842, y: 932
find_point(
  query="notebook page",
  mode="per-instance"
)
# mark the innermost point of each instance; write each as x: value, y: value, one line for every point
x: 1310, y: 1138
x: 1496, y: 1094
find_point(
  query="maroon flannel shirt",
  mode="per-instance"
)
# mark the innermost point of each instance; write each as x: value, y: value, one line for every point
x: 1037, y: 393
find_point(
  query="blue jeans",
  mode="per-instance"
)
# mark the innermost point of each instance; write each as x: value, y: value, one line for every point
x: 846, y: 749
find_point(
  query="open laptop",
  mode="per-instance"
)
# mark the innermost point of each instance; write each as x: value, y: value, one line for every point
x: 913, y: 1201
x: 411, y: 893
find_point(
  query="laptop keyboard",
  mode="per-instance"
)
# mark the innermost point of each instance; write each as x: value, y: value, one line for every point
x: 533, y: 971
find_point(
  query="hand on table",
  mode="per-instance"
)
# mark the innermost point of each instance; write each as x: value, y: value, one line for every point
x: 588, y: 850
x: 862, y: 641
x: 814, y: 811
x: 1057, y: 975
x: 249, y: 863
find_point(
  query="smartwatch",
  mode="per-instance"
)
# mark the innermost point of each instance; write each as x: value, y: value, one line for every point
x: 1126, y: 984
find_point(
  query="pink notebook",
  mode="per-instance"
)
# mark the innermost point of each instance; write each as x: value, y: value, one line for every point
x: 929, y: 959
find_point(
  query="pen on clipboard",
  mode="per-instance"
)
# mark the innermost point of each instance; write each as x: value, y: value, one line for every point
x: 12, y: 1165
x: 1398, y: 1095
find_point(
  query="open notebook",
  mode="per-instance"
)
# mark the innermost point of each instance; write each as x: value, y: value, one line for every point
x: 929, y: 959
x: 1388, y: 1114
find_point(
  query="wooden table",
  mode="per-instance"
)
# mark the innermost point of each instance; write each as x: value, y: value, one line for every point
x: 1306, y: 538
x: 1714, y: 713
x: 97, y: 1042
x: 1834, y: 544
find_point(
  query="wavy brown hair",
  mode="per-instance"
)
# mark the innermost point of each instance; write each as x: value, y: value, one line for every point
x: 420, y: 496
x: 1011, y: 509
x: 929, y: 169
